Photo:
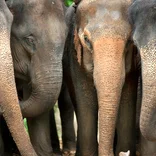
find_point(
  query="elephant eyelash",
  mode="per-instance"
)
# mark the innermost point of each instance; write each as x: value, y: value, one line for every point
x: 85, y: 41
x: 29, y: 44
x: 30, y: 40
x: 88, y: 43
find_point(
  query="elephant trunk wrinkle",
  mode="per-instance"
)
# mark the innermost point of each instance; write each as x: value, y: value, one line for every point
x: 45, y: 91
x: 148, y: 111
x: 148, y: 108
x: 109, y: 76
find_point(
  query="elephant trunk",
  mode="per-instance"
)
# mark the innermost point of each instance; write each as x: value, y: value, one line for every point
x: 45, y: 90
x: 8, y: 97
x: 109, y: 75
x: 148, y: 108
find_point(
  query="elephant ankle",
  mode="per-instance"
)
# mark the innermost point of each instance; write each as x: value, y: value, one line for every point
x: 68, y: 153
x: 70, y: 146
x: 57, y: 152
x: 89, y: 153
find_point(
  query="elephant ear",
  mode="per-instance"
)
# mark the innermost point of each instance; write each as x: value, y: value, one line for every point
x: 78, y: 47
x: 10, y: 5
x: 14, y: 6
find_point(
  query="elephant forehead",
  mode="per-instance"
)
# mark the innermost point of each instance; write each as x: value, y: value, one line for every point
x: 84, y: 2
x: 101, y: 28
x: 101, y: 18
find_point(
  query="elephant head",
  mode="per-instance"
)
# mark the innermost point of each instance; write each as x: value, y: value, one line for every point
x: 143, y: 19
x: 102, y: 30
x: 9, y: 106
x: 37, y: 42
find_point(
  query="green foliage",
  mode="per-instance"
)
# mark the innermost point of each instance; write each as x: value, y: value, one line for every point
x: 25, y: 124
x: 68, y: 2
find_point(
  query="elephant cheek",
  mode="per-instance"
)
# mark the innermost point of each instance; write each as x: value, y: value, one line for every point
x: 109, y: 76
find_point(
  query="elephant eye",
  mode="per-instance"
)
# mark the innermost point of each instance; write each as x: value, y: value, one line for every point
x: 30, y: 40
x: 30, y: 44
x: 88, y: 43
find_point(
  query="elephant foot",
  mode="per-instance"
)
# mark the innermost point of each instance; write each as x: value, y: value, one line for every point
x: 57, y: 152
x: 14, y: 154
x: 124, y: 153
x: 69, y: 153
x: 138, y: 153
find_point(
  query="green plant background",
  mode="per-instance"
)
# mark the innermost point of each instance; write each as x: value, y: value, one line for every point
x: 68, y: 2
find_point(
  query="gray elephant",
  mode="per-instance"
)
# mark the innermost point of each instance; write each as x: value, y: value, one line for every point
x: 101, y: 72
x: 143, y: 19
x: 9, y: 106
x: 37, y: 42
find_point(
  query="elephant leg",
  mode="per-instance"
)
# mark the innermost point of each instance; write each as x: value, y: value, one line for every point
x: 84, y: 98
x: 39, y: 131
x: 67, y: 121
x: 53, y: 133
x: 1, y: 139
x: 8, y: 142
x: 85, y: 102
x: 1, y: 145
x: 126, y: 124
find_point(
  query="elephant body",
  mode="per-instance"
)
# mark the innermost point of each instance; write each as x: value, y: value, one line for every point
x: 37, y: 43
x: 142, y: 17
x: 9, y: 105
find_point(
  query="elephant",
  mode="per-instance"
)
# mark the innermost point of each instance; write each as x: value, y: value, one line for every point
x: 100, y: 68
x: 37, y: 43
x: 9, y: 105
x: 143, y: 18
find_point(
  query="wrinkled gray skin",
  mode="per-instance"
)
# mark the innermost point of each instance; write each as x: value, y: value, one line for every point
x: 9, y: 105
x: 37, y: 44
x: 143, y: 19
